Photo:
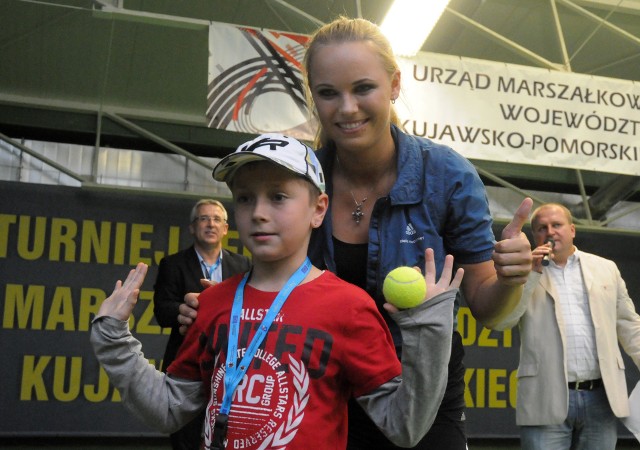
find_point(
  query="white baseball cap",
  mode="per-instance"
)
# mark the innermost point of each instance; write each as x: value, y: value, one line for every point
x: 283, y: 150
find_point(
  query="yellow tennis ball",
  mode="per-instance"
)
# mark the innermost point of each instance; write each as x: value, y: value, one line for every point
x: 404, y: 287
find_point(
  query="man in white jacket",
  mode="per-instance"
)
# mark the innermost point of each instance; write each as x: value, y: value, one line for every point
x: 573, y: 312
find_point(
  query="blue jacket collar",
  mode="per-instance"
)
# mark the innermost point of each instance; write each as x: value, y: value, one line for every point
x: 409, y: 186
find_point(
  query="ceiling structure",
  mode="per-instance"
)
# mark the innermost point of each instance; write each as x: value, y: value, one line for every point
x: 69, y: 64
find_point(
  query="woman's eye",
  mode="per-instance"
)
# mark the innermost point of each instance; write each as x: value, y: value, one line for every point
x: 364, y: 88
x: 325, y: 93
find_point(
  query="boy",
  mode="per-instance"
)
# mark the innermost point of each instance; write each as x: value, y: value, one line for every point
x: 303, y: 340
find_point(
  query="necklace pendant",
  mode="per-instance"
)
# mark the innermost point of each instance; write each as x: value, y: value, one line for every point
x: 357, y: 213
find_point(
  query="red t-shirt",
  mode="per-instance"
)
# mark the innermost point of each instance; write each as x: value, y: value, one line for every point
x: 328, y: 342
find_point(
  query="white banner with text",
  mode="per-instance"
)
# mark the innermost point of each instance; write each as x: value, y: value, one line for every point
x: 482, y: 109
x: 525, y: 115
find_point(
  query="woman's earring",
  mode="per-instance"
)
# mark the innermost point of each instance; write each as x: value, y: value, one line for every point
x: 393, y: 101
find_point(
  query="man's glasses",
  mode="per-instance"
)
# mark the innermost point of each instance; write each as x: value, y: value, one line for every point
x: 207, y: 219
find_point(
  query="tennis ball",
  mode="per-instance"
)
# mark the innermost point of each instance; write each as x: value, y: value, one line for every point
x: 404, y: 287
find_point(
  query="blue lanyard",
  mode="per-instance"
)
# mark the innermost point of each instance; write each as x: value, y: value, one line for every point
x: 234, y: 374
x: 209, y: 272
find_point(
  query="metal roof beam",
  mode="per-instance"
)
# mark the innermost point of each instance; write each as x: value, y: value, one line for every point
x: 158, y: 140
x: 298, y: 11
x: 44, y: 159
x: 622, y: 6
x: 607, y: 197
x: 560, y: 36
x: 603, y: 22
x: 107, y: 11
x: 509, y: 44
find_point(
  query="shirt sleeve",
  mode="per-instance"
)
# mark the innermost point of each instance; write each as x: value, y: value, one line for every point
x: 163, y: 402
x: 405, y: 407
x: 368, y: 350
x: 186, y: 364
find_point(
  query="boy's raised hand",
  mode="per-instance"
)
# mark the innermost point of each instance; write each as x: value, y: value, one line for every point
x: 125, y: 295
x: 445, y: 283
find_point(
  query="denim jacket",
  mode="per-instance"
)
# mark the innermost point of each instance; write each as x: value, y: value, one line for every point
x: 437, y: 201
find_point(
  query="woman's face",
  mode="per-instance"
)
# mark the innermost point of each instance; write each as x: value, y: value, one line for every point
x: 352, y: 93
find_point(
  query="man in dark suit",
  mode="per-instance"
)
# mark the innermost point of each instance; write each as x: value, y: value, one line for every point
x: 187, y: 273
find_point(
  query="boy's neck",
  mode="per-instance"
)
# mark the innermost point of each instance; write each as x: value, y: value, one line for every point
x: 272, y: 276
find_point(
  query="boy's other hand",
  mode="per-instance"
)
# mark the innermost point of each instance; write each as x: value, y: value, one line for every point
x: 188, y: 311
x: 207, y: 283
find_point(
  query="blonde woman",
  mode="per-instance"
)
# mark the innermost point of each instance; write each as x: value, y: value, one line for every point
x: 392, y: 196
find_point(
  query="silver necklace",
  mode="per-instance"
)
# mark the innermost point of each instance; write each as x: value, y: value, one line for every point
x: 357, y: 212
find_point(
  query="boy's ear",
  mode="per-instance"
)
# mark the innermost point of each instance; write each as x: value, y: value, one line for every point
x: 321, y: 207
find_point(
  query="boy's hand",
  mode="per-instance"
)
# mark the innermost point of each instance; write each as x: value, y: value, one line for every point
x: 445, y: 283
x: 125, y: 295
x: 207, y: 283
x: 188, y: 311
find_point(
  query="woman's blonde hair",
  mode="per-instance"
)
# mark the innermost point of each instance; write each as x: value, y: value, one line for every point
x: 344, y: 29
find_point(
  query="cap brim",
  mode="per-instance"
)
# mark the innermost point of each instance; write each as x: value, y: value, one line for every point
x: 227, y: 167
